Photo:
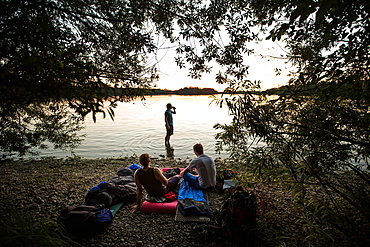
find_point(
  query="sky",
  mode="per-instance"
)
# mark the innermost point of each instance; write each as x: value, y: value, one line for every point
x: 261, y: 68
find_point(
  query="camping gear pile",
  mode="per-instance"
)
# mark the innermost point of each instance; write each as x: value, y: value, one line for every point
x: 101, y: 204
x: 235, y: 221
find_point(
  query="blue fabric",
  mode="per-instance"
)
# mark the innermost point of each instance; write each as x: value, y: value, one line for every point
x: 192, y: 180
x: 134, y: 167
x: 187, y: 191
x: 99, y: 186
x: 104, y: 216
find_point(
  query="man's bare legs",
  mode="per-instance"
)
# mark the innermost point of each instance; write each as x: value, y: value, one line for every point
x: 167, y: 140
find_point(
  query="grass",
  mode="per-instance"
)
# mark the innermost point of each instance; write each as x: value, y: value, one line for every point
x: 26, y: 230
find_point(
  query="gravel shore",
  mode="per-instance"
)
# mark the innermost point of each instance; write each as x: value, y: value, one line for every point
x: 44, y: 187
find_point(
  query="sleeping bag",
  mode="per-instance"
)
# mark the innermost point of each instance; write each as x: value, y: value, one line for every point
x: 191, y: 200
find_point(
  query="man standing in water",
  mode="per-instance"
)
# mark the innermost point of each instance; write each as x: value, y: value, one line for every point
x: 169, y: 123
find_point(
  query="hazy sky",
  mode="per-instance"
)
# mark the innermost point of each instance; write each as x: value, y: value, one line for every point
x: 172, y: 77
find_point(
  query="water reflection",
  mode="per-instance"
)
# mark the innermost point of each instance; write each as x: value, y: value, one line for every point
x: 170, y: 151
x: 139, y: 128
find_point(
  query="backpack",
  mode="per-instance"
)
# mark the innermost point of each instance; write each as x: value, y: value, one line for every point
x: 83, y: 220
x: 238, y: 217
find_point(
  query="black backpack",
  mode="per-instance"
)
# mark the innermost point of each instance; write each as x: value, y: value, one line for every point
x: 238, y: 217
x: 84, y: 220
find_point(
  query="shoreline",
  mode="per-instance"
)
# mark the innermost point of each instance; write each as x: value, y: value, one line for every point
x: 42, y: 188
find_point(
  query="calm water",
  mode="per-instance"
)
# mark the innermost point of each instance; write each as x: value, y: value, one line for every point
x: 139, y: 127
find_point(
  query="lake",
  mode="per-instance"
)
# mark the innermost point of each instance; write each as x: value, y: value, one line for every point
x: 139, y: 127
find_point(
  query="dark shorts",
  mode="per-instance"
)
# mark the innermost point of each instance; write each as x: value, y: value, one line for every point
x: 169, y: 130
x: 172, y: 183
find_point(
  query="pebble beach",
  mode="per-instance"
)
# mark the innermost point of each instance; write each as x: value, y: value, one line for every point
x: 44, y: 187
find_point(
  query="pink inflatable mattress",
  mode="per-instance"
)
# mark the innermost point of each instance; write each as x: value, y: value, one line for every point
x: 162, y: 207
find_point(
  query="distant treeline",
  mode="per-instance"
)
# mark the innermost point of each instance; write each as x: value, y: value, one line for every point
x: 211, y: 91
x: 196, y: 91
x: 182, y: 91
x: 185, y: 91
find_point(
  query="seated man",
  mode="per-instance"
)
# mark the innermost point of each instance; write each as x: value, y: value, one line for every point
x: 152, y: 179
x: 205, y: 167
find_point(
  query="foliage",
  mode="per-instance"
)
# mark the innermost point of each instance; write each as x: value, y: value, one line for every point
x: 34, y: 125
x: 81, y: 53
x: 314, y: 136
x: 63, y: 52
x: 25, y: 230
x: 315, y: 133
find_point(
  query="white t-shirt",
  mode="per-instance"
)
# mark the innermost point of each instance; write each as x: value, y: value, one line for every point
x: 206, y: 169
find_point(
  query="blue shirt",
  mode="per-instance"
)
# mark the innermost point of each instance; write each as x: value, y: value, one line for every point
x: 168, y: 114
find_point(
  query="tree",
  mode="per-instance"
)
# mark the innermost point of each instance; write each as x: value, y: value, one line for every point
x: 57, y: 53
x: 315, y: 134
x: 77, y: 52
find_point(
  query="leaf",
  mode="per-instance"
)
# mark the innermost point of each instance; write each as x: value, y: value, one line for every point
x: 303, y: 10
x: 323, y: 10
